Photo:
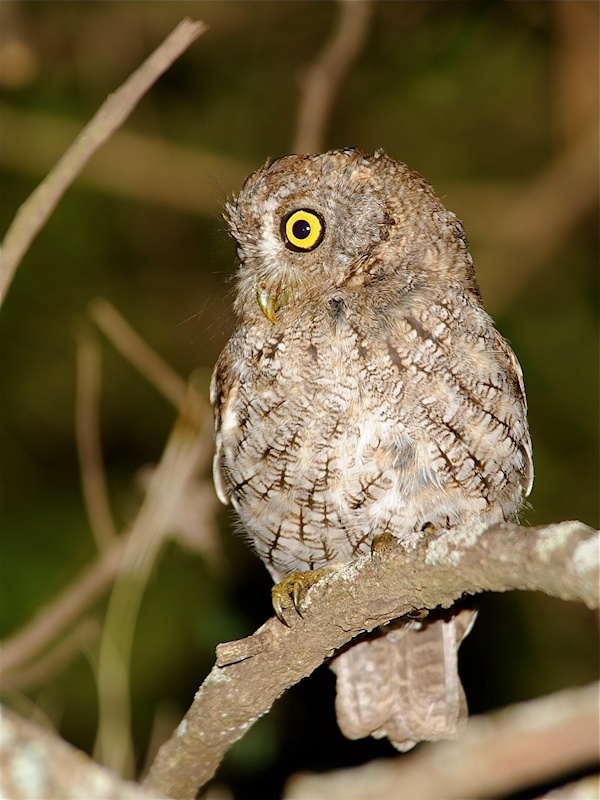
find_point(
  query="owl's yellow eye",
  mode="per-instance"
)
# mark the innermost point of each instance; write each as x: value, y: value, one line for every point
x: 303, y: 230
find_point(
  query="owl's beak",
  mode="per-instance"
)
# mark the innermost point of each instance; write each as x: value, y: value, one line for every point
x: 267, y: 303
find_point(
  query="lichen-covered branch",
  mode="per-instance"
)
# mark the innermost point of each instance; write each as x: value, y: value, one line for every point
x: 36, y: 763
x: 561, y: 560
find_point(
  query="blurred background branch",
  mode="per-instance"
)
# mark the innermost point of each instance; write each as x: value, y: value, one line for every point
x: 188, y: 453
x: 87, y: 431
x: 35, y: 211
x: 132, y: 347
x: 320, y: 81
x: 36, y: 763
x: 132, y: 164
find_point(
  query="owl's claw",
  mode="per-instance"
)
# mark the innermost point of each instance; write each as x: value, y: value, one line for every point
x: 290, y: 592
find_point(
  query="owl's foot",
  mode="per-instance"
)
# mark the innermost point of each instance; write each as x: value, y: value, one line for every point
x: 290, y: 592
x: 429, y: 528
x: 383, y: 542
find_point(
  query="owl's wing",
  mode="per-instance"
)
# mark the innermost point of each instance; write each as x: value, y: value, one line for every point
x: 223, y: 389
x: 516, y: 373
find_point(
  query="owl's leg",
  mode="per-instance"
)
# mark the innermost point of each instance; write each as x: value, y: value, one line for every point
x: 290, y: 592
x: 386, y: 540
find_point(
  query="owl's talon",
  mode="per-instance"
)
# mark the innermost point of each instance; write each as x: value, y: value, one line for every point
x: 290, y: 592
x: 298, y: 593
x: 278, y: 609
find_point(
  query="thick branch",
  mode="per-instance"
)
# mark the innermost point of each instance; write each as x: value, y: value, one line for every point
x: 36, y: 763
x: 559, y: 560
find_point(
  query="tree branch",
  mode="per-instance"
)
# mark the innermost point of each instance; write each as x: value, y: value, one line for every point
x: 36, y: 763
x: 249, y: 675
x: 137, y: 351
x: 187, y: 454
x: 132, y: 164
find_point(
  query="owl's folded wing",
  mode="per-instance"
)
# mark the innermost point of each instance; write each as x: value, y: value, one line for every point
x: 223, y: 389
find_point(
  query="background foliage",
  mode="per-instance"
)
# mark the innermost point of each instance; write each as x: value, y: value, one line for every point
x: 494, y: 102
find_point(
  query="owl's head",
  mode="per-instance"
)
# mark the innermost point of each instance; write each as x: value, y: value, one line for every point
x: 307, y: 223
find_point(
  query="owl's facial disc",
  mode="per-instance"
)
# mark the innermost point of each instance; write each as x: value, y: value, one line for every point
x: 301, y: 231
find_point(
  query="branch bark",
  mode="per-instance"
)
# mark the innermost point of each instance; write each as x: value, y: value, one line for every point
x: 560, y: 560
x: 36, y: 763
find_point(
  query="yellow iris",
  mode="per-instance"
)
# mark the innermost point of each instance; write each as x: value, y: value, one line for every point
x: 303, y: 230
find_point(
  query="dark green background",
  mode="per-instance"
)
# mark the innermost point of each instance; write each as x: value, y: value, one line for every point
x: 483, y: 98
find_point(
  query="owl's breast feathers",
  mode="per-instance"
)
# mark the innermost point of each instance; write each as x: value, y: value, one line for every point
x: 353, y: 421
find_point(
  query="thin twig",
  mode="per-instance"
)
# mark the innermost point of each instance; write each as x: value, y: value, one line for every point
x: 87, y: 429
x: 92, y: 584
x: 188, y: 451
x: 132, y: 347
x: 35, y: 211
x: 322, y: 79
x: 560, y: 560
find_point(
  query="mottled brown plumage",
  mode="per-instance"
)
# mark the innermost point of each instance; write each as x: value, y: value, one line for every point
x: 365, y: 391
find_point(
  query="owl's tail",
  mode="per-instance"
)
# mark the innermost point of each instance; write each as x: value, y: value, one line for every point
x: 404, y: 683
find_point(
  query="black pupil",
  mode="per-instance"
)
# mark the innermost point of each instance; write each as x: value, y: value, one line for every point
x: 301, y: 229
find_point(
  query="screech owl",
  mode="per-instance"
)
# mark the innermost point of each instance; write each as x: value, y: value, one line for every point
x: 365, y: 392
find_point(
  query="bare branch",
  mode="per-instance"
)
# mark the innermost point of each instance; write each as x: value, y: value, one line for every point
x: 50, y: 664
x: 54, y: 619
x: 560, y: 560
x: 322, y: 79
x: 519, y: 746
x: 87, y: 429
x: 34, y: 212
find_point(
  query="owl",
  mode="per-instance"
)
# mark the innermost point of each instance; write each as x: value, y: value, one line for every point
x: 365, y: 394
